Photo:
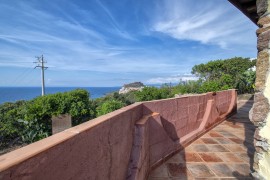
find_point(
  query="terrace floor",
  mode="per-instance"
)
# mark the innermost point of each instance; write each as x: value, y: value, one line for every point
x: 225, y: 152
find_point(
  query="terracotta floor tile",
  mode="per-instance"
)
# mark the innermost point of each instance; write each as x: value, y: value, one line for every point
x: 209, y: 141
x: 192, y: 157
x: 234, y: 126
x: 244, y: 156
x: 214, y: 134
x: 200, y: 170
x: 200, y: 148
x: 218, y: 128
x: 240, y: 135
x: 224, y: 141
x: 226, y: 133
x: 221, y: 170
x: 161, y: 172
x: 210, y: 157
x: 178, y: 170
x: 234, y: 148
x: 230, y: 157
x: 189, y: 148
x: 217, y: 148
x: 237, y: 140
x: 206, y: 136
x: 240, y: 170
x: 198, y: 141
x: 221, y: 128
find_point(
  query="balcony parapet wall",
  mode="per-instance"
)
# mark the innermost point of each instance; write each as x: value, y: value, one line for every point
x: 124, y: 144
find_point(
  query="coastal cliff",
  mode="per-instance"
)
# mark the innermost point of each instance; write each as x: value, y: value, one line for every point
x: 136, y: 86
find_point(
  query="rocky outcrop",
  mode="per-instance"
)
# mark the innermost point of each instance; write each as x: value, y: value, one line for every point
x: 136, y: 86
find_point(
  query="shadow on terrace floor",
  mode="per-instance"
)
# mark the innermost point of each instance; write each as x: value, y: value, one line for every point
x: 226, y: 151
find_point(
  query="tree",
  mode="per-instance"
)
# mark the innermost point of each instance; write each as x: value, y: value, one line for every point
x: 246, y: 83
x: 213, y: 70
x: 225, y: 74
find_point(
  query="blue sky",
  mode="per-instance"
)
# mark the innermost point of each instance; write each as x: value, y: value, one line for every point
x: 110, y: 43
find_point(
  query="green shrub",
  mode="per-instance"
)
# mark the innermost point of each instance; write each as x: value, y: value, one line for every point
x: 152, y: 93
x: 9, y: 126
x: 109, y: 106
x: 31, y: 120
x: 190, y: 87
x: 76, y: 103
x: 32, y: 131
x: 209, y: 86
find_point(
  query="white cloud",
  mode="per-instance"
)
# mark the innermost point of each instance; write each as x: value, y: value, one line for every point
x: 172, y: 79
x: 208, y: 22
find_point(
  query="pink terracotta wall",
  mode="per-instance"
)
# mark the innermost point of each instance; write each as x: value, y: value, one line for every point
x: 98, y: 149
x: 180, y: 116
x: 124, y: 144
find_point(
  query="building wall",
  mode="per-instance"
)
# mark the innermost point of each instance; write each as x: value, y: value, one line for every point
x: 260, y: 112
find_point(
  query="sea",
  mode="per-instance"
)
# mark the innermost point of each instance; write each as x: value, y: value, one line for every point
x: 12, y: 94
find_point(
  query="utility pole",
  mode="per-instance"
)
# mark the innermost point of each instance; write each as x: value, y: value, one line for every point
x: 40, y: 61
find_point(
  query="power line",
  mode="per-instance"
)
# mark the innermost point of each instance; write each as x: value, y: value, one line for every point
x: 21, y: 76
x: 40, y: 61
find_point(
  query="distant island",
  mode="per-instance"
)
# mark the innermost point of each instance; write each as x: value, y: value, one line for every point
x: 135, y: 86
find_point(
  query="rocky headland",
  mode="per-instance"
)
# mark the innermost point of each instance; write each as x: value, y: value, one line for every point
x: 135, y: 86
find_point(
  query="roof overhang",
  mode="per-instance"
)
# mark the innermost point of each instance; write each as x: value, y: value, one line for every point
x: 248, y: 7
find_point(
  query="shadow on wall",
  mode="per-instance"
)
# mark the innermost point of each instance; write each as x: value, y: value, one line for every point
x: 152, y: 145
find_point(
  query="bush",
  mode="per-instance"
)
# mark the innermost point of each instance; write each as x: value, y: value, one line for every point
x: 190, y: 87
x: 31, y: 120
x: 209, y: 86
x: 9, y: 126
x: 76, y: 103
x: 109, y: 106
x: 32, y: 131
x: 152, y: 93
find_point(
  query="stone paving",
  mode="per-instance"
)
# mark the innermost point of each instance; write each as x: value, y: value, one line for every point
x: 225, y: 152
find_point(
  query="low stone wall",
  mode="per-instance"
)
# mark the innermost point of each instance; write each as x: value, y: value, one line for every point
x: 124, y: 144
x: 97, y: 149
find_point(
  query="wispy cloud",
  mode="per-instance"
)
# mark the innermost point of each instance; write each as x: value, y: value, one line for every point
x: 207, y: 22
x: 172, y: 79
x: 119, y: 30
